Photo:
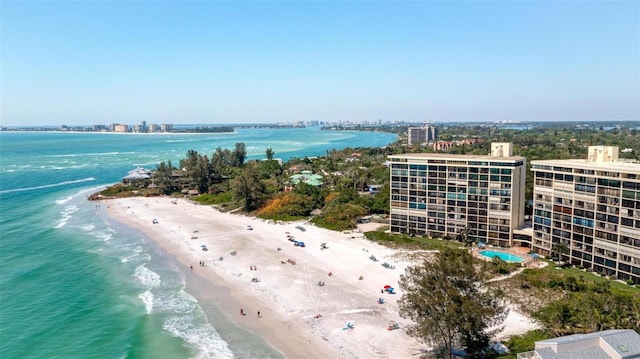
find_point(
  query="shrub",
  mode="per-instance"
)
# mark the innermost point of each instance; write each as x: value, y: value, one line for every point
x: 287, y: 206
x: 526, y: 342
x: 338, y: 216
x: 112, y: 191
x: 218, y: 198
x: 556, y: 283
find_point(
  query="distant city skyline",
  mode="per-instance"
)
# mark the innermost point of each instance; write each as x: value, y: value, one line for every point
x: 81, y: 63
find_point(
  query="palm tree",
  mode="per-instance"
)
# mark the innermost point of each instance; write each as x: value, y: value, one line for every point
x: 464, y: 236
x: 558, y: 250
x: 269, y: 153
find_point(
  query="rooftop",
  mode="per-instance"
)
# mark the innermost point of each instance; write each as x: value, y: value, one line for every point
x: 448, y: 156
x: 607, y: 344
x: 307, y: 177
x: 619, y: 165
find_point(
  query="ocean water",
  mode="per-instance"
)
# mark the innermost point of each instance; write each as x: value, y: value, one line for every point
x: 75, y: 284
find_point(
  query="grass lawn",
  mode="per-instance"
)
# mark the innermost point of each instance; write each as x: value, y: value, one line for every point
x: 587, y: 276
x: 405, y: 241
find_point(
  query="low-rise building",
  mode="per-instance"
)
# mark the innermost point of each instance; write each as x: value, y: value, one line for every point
x: 307, y: 177
x: 607, y: 344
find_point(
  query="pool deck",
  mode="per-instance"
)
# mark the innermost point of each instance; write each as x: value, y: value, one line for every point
x: 522, y: 252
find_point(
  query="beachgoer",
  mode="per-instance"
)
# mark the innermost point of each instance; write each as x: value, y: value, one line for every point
x: 191, y: 267
x: 258, y: 314
x: 241, y: 311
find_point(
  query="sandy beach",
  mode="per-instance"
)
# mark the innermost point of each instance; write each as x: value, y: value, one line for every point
x: 253, y: 269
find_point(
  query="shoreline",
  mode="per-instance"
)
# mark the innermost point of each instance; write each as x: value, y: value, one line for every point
x: 210, y: 289
x: 288, y: 296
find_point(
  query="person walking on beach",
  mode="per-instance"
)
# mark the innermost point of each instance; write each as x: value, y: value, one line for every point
x: 258, y: 314
x: 242, y: 312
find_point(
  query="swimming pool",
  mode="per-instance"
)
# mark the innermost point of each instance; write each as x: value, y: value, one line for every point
x: 507, y: 257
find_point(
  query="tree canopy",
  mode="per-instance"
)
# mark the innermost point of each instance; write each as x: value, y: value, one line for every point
x: 247, y: 188
x: 449, y: 304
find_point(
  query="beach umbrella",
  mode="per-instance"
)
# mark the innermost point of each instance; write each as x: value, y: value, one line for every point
x: 387, y: 286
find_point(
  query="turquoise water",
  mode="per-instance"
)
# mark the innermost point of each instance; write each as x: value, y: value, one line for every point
x: 75, y: 284
x: 507, y: 257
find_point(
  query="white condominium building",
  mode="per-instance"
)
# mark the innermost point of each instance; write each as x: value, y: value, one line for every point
x: 441, y: 195
x: 592, y: 206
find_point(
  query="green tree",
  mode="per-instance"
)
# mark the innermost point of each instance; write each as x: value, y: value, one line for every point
x: 239, y: 155
x: 313, y: 193
x: 380, y: 201
x: 498, y: 265
x: 162, y: 177
x: 221, y: 163
x: 559, y: 250
x: 270, y: 168
x: 463, y: 236
x: 196, y: 168
x: 449, y: 303
x: 339, y: 216
x: 247, y: 187
x: 269, y: 153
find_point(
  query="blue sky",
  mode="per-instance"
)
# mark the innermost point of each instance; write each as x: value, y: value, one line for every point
x: 88, y: 62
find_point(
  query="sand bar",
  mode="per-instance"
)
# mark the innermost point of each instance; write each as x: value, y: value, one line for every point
x: 287, y: 295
